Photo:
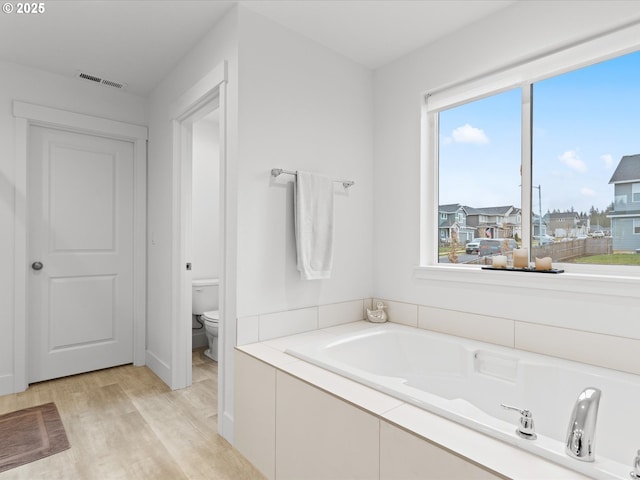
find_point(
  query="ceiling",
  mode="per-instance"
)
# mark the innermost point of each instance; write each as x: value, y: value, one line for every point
x: 138, y: 42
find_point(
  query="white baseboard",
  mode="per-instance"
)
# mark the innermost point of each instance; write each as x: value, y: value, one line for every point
x: 225, y: 428
x: 7, y: 386
x: 158, y: 367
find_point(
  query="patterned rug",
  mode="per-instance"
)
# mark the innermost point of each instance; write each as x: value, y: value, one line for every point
x: 30, y: 434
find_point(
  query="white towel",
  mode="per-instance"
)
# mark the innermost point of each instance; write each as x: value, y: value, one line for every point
x: 313, y: 208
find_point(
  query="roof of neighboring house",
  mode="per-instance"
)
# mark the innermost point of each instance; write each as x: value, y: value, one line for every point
x: 449, y: 208
x: 628, y: 169
x: 506, y: 210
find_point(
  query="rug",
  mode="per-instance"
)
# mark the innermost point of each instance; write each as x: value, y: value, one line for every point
x: 30, y: 434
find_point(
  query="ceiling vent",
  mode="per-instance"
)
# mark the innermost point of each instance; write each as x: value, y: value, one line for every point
x: 102, y: 81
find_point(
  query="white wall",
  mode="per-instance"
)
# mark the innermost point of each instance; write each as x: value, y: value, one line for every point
x: 519, y: 32
x: 66, y: 93
x: 302, y: 107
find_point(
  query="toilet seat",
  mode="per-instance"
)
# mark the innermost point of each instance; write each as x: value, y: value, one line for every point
x: 212, y: 316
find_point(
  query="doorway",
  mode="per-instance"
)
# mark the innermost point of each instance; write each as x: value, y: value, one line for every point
x: 30, y: 115
x: 207, y: 95
x: 205, y: 221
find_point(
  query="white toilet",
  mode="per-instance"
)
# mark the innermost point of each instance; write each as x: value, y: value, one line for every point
x: 205, y: 306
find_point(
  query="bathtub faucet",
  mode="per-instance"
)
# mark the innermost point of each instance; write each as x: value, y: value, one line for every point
x: 526, y: 429
x: 581, y: 433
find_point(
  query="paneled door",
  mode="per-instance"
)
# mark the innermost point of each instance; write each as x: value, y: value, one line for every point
x: 80, y: 286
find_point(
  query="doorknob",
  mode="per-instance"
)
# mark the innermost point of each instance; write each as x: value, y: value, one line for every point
x: 37, y: 265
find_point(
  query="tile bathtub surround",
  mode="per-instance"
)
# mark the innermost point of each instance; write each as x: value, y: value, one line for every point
x: 258, y: 328
x: 582, y: 346
x: 290, y: 322
x: 585, y: 347
x: 248, y: 330
x: 298, y: 383
x: 400, y: 312
x: 340, y: 313
x: 494, y: 330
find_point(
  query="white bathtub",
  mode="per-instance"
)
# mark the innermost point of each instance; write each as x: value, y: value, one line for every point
x: 466, y: 381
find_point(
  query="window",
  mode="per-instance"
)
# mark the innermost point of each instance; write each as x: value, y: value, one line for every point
x: 578, y: 145
x: 620, y: 202
x: 479, y: 154
x: 563, y: 150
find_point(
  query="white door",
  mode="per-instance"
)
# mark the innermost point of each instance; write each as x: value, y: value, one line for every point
x: 80, y: 288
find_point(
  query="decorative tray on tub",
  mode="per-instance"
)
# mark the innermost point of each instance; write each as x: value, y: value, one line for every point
x: 527, y: 269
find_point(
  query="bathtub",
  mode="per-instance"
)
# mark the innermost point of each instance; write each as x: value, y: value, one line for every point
x: 466, y: 381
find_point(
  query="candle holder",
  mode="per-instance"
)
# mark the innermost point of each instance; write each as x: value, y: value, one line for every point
x: 543, y: 263
x: 499, y: 261
x: 520, y: 258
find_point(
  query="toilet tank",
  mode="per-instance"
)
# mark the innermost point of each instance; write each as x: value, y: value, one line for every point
x: 204, y: 296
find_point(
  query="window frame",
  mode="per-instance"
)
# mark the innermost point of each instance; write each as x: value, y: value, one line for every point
x: 523, y: 74
x: 635, y: 190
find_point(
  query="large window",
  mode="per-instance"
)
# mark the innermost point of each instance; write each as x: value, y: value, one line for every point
x: 561, y: 155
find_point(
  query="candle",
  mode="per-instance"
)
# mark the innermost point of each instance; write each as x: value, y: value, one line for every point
x: 520, y: 258
x: 499, y: 261
x: 543, y: 263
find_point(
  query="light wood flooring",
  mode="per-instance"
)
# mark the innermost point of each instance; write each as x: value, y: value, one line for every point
x: 125, y: 423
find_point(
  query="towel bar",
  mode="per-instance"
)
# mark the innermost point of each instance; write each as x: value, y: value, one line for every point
x: 276, y: 172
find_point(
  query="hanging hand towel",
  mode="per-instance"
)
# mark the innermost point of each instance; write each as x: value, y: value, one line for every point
x: 314, y: 225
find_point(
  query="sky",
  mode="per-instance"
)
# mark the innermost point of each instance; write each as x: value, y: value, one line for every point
x: 583, y: 123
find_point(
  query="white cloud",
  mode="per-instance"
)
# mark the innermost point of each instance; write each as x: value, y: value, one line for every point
x: 469, y: 134
x: 587, y: 192
x: 607, y: 159
x: 571, y: 159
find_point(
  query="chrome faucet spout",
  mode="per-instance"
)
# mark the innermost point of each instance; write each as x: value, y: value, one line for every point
x: 582, y: 426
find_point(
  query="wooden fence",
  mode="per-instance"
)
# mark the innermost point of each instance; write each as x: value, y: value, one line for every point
x: 559, y: 251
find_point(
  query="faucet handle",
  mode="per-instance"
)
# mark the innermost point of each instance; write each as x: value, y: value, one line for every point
x: 526, y: 429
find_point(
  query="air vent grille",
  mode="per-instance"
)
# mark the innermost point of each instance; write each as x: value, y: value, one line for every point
x: 100, y: 80
x: 90, y: 77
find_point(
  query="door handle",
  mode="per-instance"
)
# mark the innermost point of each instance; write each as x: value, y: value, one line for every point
x: 37, y: 265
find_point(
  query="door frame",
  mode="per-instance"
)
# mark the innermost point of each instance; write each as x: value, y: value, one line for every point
x: 27, y: 115
x: 204, y: 96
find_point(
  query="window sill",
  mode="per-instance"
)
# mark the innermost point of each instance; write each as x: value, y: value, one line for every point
x: 614, y: 281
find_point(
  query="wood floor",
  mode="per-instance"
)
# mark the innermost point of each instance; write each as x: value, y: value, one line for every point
x: 125, y: 423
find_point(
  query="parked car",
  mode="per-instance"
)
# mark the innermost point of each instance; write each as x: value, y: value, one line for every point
x: 598, y: 234
x: 496, y: 246
x: 545, y: 240
x: 472, y: 246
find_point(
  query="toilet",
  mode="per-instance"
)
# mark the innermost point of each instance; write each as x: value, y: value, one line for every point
x: 205, y: 306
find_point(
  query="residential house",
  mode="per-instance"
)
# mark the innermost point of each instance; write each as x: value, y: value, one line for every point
x: 625, y: 217
x: 453, y: 218
x: 564, y: 224
x: 539, y: 227
x: 496, y: 222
